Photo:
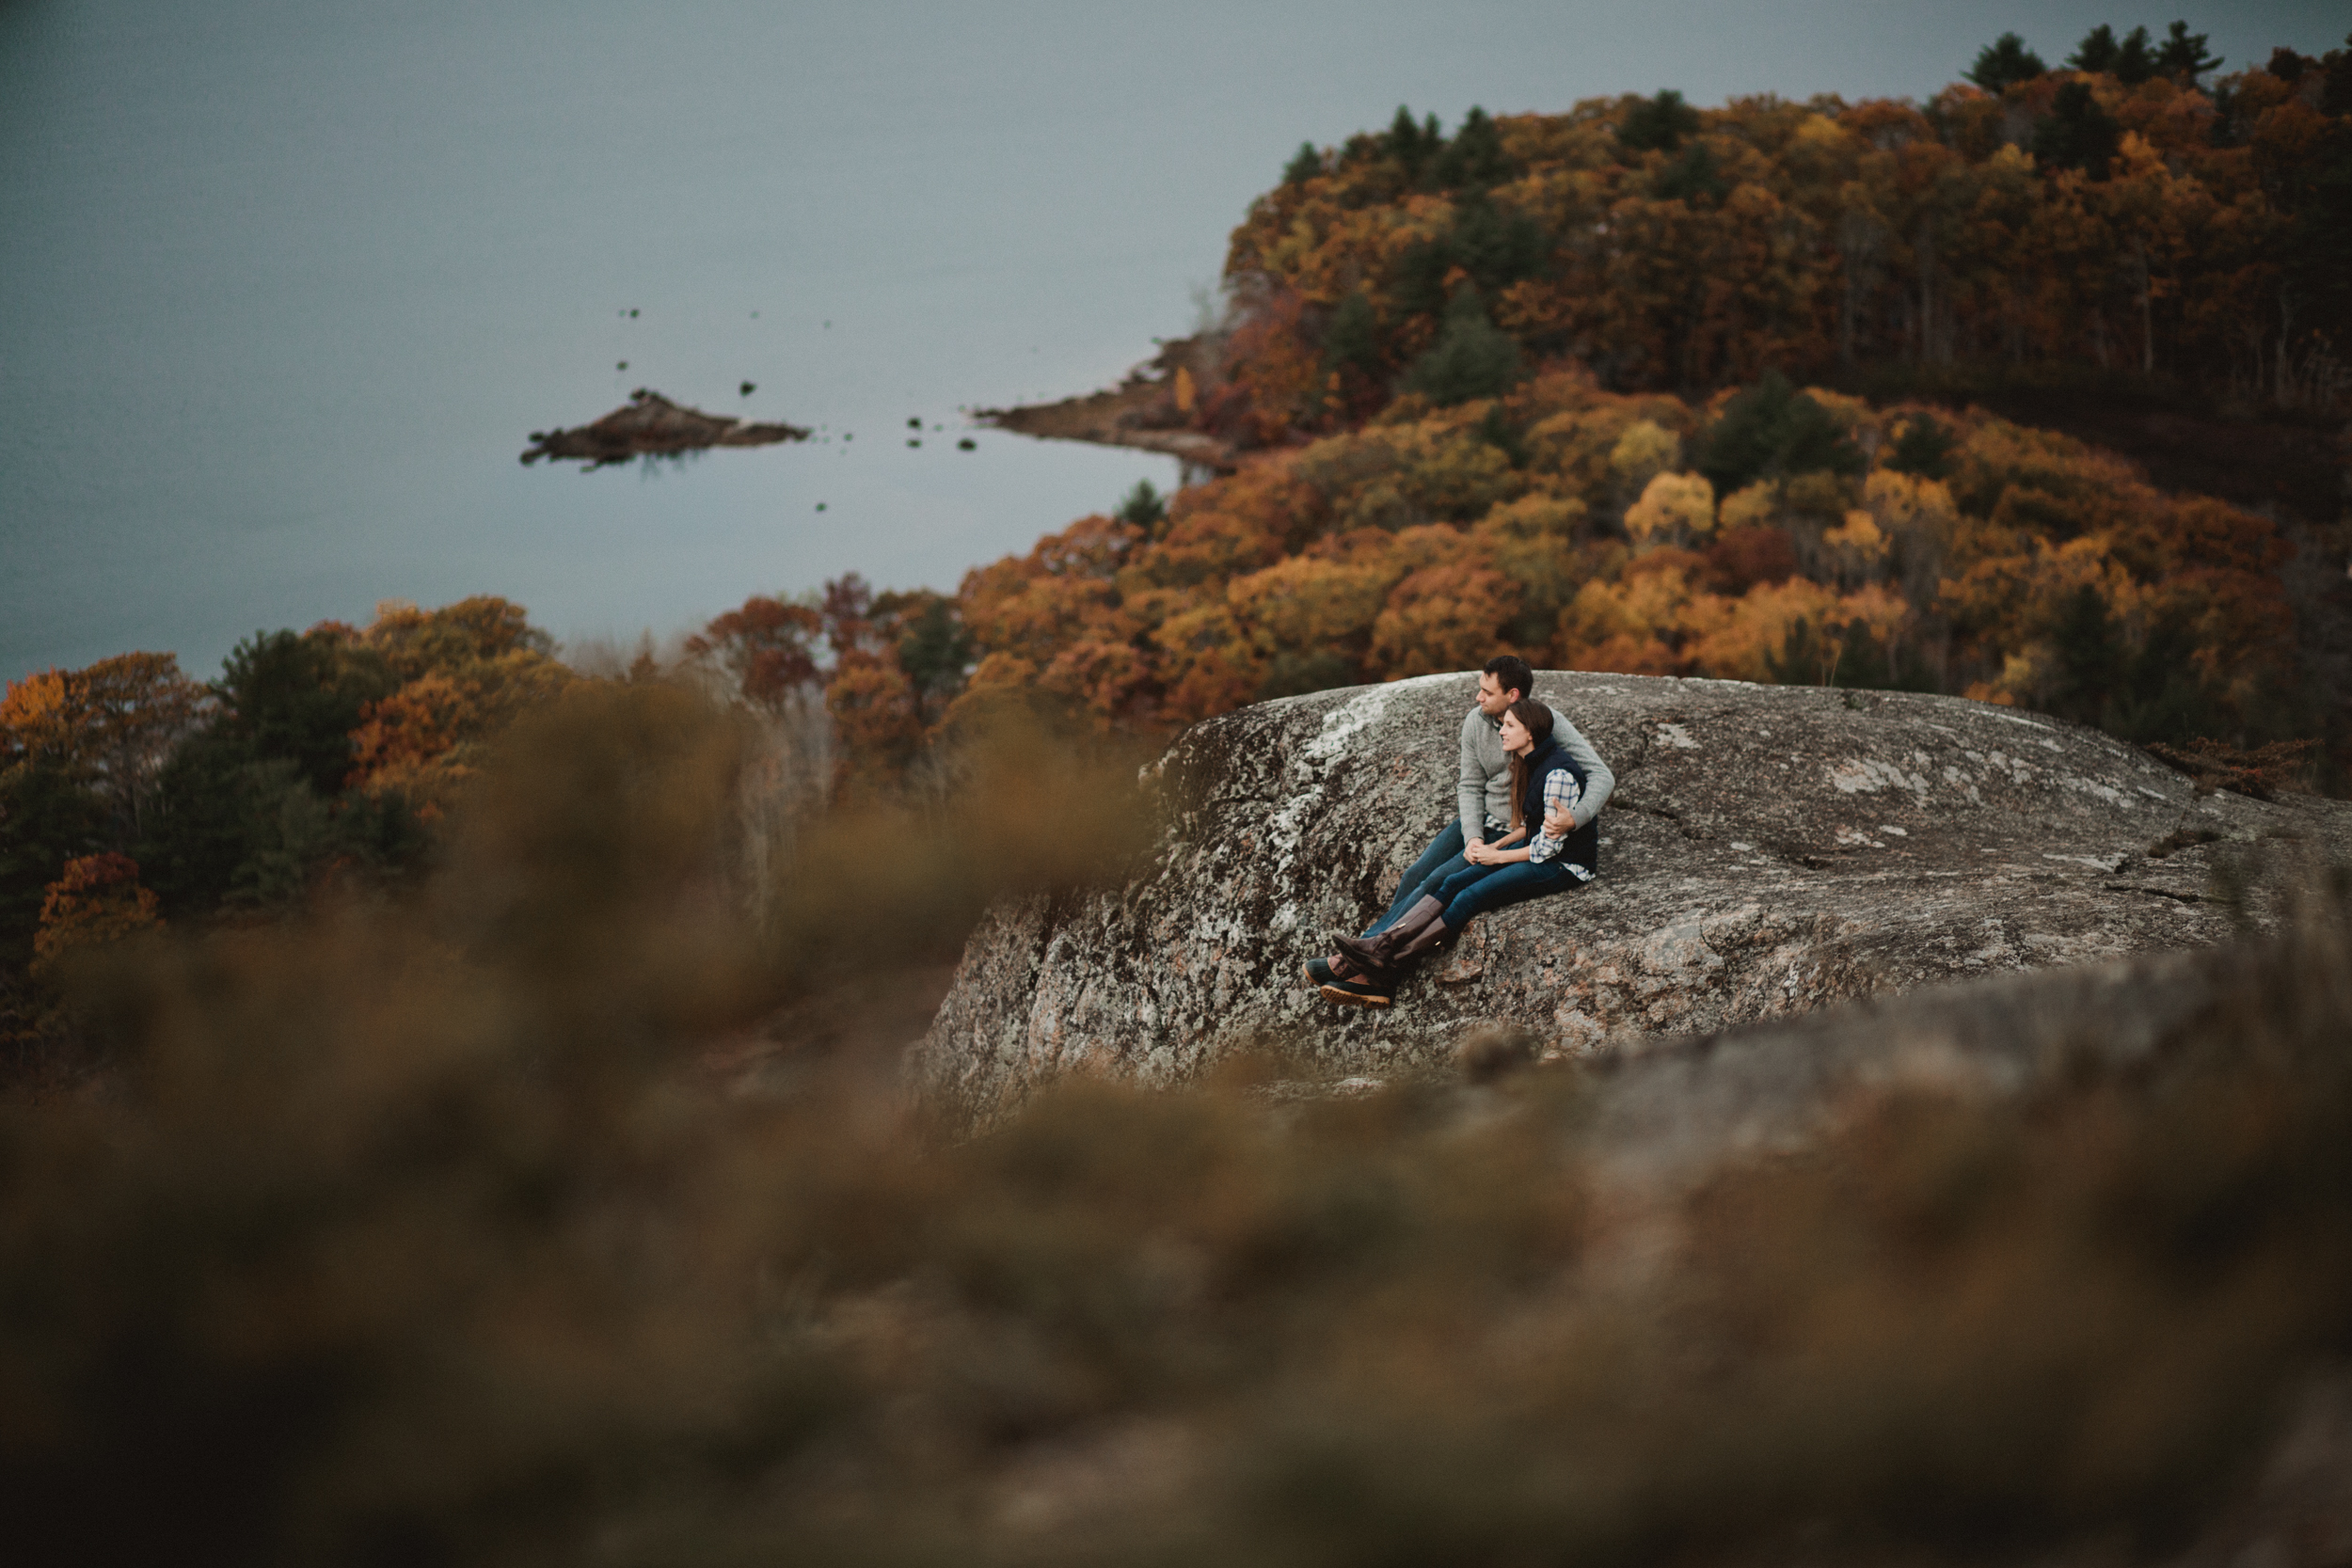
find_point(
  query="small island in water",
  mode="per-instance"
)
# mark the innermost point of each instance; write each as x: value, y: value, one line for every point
x: 650, y: 425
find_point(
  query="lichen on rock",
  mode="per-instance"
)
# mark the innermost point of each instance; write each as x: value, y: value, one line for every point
x: 1768, y: 850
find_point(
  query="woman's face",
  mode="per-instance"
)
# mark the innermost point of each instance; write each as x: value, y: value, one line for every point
x: 1514, y: 732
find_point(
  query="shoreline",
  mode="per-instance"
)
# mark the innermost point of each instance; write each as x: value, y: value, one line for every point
x: 1150, y: 410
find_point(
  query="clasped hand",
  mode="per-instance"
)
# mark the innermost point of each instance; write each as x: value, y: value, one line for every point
x: 1557, y: 822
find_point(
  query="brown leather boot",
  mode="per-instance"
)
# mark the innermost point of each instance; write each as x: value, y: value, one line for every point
x: 1420, y: 941
x: 1324, y: 971
x: 1376, y: 956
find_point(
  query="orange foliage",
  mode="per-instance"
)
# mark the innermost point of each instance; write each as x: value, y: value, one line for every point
x: 2146, y: 229
x: 112, y: 723
x: 768, y: 647
x: 467, y: 670
x: 876, y: 723
x: 1561, y: 523
x: 97, y: 899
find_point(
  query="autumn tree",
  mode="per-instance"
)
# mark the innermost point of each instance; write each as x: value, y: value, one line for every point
x: 467, y: 672
x: 109, y: 727
x: 336, y: 749
x: 81, y: 755
x: 96, y: 899
x: 768, y: 648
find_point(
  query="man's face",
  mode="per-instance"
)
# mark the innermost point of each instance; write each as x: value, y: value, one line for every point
x: 1493, y: 698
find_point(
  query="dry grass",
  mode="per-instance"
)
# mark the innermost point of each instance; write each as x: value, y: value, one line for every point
x: 419, y: 1234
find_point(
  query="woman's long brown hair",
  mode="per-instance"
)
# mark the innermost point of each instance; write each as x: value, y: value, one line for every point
x: 1535, y: 719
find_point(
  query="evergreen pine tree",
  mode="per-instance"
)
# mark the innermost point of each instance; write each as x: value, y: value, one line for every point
x: 1143, y: 507
x: 2135, y: 61
x: 1773, y: 431
x: 1351, y: 339
x: 2183, y: 56
x: 2097, y: 50
x: 1474, y: 160
x: 1658, y: 124
x: 1473, y: 357
x: 2078, y: 133
x: 2005, y: 62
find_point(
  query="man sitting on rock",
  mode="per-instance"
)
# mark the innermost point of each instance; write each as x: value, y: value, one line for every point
x: 1482, y: 798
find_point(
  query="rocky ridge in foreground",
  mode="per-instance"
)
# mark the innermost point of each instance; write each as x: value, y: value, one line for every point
x: 1768, y: 851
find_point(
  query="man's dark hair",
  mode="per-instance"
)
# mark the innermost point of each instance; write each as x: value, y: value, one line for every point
x: 1511, y: 672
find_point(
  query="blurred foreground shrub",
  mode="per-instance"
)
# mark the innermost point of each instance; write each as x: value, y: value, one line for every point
x: 412, y: 1235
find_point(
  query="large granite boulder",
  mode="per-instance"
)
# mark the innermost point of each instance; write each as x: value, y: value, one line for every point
x: 1768, y: 850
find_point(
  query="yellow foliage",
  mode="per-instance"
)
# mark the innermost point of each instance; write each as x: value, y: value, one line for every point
x: 1397, y: 475
x: 1431, y: 544
x: 1413, y: 545
x: 1532, y: 517
x: 1577, y: 447
x: 1756, y: 626
x: 1673, y: 509
x: 112, y: 723
x: 1905, y: 504
x: 1636, y: 624
x: 425, y: 739
x: 1755, y: 507
x: 1644, y: 449
x: 1446, y: 617
x: 1206, y: 663
x: 1308, y: 602
x: 1856, y: 546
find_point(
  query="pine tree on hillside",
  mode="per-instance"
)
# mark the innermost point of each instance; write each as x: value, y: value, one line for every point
x: 1473, y: 358
x: 2005, y: 62
x: 2078, y: 133
x: 2182, y: 54
x: 2097, y: 52
x: 2135, y: 61
x: 1658, y: 124
x: 1474, y: 160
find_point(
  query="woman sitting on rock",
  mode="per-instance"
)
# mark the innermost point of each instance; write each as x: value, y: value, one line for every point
x: 1545, y: 784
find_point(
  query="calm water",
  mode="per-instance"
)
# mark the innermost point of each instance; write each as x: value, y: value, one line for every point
x: 284, y: 286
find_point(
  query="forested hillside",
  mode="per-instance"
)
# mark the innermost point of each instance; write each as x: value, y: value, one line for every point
x: 2136, y: 218
x: 1769, y: 534
x: 1536, y: 384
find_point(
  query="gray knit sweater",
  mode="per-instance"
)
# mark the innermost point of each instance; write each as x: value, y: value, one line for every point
x: 1483, y: 794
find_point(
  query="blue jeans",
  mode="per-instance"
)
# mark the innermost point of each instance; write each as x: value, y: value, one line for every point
x: 1440, y: 861
x: 1476, y: 888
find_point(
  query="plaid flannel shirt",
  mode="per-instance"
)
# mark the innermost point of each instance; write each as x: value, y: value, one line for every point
x: 1561, y: 793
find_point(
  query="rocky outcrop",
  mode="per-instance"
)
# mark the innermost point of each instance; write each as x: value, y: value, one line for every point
x: 1769, y: 849
x: 1151, y: 411
x: 650, y: 425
